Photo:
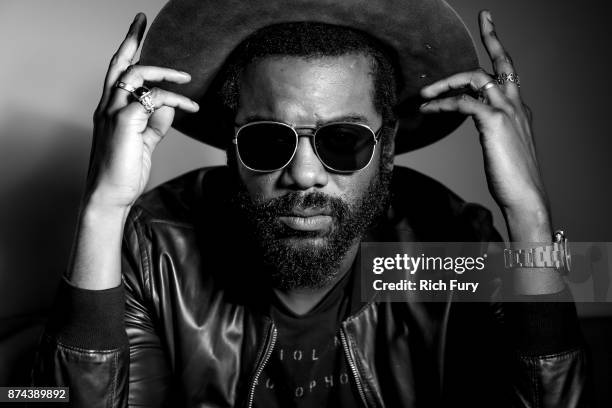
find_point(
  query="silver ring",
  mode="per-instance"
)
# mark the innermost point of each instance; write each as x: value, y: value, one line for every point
x: 482, y: 97
x: 488, y: 85
x: 124, y: 86
x: 508, y: 77
x: 143, y: 95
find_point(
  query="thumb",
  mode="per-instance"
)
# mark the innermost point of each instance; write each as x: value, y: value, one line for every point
x: 158, y: 125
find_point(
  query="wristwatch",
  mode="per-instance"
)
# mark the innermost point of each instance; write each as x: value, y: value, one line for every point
x: 555, y: 256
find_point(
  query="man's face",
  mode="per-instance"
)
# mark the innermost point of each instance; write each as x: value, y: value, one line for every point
x: 305, y: 211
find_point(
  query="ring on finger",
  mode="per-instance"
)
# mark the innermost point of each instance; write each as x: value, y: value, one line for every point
x: 143, y: 95
x: 488, y: 85
x: 508, y: 77
x: 482, y: 97
x: 124, y: 86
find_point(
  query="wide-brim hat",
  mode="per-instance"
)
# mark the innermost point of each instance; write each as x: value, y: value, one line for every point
x: 428, y: 38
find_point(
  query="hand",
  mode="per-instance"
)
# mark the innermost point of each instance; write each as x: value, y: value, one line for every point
x: 125, y: 135
x: 511, y: 166
x: 506, y: 137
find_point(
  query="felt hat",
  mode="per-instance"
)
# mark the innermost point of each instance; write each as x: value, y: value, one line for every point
x: 428, y: 38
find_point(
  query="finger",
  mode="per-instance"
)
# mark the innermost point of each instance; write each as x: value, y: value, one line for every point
x: 137, y: 75
x: 476, y: 80
x: 161, y: 97
x: 136, y: 114
x: 123, y: 57
x: 463, y: 103
x: 500, y: 59
x: 159, y: 123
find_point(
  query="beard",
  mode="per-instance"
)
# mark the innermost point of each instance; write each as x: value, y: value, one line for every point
x: 310, y: 259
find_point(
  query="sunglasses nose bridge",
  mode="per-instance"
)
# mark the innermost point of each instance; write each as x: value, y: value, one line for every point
x: 310, y: 132
x: 305, y: 131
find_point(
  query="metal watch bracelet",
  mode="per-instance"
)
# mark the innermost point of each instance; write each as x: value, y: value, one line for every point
x: 556, y: 255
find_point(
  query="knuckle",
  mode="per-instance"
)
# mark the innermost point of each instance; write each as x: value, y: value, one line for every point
x: 97, y: 115
x: 498, y: 116
x: 102, y: 115
x: 510, y: 110
x: 119, y: 118
x: 157, y: 93
x: 133, y: 70
x: 157, y: 131
x: 478, y: 76
x: 502, y: 58
x: 450, y: 102
x: 130, y: 73
x: 115, y: 59
x: 473, y: 75
x: 109, y: 116
x: 508, y: 58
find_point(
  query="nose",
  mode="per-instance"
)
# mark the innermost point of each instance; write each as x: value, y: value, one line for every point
x: 305, y: 169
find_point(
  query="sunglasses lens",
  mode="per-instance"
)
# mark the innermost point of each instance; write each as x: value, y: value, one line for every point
x: 345, y: 146
x: 266, y: 146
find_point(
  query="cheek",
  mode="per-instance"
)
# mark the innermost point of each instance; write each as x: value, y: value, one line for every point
x: 259, y: 186
x: 353, y: 187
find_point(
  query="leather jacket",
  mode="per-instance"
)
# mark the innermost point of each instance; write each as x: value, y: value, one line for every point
x: 196, y: 330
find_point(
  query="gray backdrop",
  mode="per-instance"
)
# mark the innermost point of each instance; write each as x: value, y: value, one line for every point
x: 54, y: 55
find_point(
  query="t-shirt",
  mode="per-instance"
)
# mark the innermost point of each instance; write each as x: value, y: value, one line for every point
x: 308, y: 366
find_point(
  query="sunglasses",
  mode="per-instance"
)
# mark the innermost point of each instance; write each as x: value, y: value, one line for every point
x: 343, y: 147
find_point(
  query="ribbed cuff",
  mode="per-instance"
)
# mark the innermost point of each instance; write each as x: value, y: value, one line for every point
x: 89, y: 319
x: 543, y: 324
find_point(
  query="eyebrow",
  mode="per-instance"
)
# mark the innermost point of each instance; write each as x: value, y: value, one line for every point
x: 351, y: 117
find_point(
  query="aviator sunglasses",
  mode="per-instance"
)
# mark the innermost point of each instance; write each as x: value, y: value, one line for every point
x: 343, y: 147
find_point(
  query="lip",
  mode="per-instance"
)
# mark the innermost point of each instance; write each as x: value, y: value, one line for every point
x: 308, y: 212
x: 313, y: 222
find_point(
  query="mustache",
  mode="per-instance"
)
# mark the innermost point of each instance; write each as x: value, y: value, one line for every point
x: 295, y: 201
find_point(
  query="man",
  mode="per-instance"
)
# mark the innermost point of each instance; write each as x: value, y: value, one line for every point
x: 237, y: 285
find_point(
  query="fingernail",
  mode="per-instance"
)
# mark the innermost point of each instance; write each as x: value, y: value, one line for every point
x: 490, y: 17
x: 132, y: 29
x: 185, y: 73
x: 132, y: 25
x: 424, y: 104
x: 136, y: 18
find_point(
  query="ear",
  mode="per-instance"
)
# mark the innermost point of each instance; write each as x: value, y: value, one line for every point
x: 396, y: 126
x: 387, y: 145
x: 395, y: 129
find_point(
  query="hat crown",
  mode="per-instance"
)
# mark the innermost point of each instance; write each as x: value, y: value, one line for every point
x: 428, y: 37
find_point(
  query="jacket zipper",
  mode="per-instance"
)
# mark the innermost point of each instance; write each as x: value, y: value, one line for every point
x: 353, y: 367
x: 264, y: 361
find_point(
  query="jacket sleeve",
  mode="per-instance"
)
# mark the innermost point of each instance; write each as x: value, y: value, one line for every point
x: 551, y: 367
x: 150, y: 375
x: 84, y: 347
x: 548, y: 356
x: 103, y: 344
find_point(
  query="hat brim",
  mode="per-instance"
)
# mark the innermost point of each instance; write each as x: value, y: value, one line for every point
x: 429, y: 39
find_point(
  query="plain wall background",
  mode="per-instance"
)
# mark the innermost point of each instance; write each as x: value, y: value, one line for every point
x: 54, y: 55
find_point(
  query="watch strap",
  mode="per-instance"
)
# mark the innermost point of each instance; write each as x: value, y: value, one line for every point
x: 548, y: 256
